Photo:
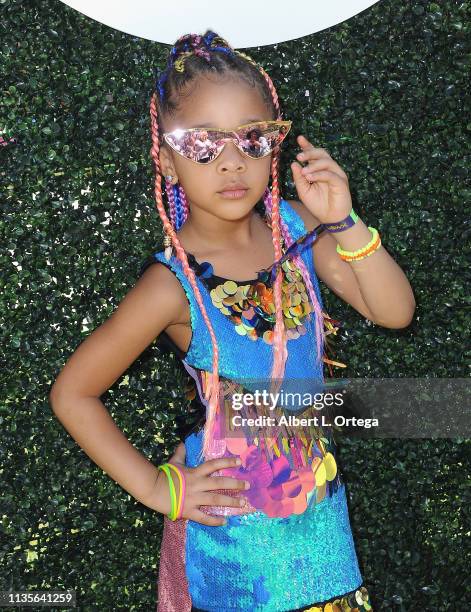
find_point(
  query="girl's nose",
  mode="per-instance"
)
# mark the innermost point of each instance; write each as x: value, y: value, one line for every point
x: 231, y: 156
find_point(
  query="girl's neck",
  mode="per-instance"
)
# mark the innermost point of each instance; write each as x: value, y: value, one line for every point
x: 235, y: 260
x: 199, y: 239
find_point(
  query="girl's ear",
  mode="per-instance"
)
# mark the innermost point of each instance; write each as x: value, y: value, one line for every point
x: 165, y: 159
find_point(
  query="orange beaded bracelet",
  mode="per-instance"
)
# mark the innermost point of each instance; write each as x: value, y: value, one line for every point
x: 368, y: 249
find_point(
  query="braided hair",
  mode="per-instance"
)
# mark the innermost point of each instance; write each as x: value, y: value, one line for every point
x: 191, y: 57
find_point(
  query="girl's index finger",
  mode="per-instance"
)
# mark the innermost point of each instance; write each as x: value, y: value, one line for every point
x: 304, y: 142
x: 213, y: 465
x: 308, y: 150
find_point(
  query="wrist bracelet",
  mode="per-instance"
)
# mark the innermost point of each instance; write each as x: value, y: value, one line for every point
x: 172, y: 515
x: 181, y: 493
x: 365, y: 251
x: 343, y: 225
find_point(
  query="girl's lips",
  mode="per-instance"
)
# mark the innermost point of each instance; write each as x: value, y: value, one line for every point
x: 233, y: 194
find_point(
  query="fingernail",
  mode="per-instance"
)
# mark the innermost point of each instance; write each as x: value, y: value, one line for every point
x: 300, y: 156
x: 238, y: 461
x: 247, y: 484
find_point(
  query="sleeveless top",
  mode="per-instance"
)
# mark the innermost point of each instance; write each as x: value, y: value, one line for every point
x: 296, y: 510
x: 297, y: 466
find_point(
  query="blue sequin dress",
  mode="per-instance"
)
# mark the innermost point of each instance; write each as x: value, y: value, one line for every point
x: 293, y: 547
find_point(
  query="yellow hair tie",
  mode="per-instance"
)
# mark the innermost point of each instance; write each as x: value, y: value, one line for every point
x: 179, y: 63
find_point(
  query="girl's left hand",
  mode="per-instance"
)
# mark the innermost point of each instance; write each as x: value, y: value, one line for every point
x: 328, y: 196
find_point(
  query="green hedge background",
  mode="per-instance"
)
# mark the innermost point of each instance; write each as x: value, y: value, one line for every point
x: 385, y: 92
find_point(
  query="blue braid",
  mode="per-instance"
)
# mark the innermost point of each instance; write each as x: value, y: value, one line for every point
x: 160, y: 82
x: 178, y: 207
x: 209, y: 38
x: 223, y: 49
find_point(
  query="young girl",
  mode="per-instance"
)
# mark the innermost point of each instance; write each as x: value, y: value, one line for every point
x: 256, y: 517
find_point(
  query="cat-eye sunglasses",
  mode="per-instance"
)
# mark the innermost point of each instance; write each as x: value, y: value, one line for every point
x: 204, y: 145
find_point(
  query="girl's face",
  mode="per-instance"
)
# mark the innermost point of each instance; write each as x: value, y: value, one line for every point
x: 222, y: 104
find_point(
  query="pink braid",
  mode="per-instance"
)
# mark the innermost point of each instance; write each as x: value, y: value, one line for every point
x: 280, y: 353
x: 277, y: 221
x: 279, y: 340
x: 212, y: 387
x: 306, y: 277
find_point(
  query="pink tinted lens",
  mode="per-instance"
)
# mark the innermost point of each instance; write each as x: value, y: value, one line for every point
x: 203, y: 146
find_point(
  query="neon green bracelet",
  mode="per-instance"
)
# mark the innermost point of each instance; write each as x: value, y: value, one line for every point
x: 180, y: 490
x: 172, y: 515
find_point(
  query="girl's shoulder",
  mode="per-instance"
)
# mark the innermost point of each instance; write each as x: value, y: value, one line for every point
x: 168, y: 277
x: 159, y: 285
x: 148, y: 261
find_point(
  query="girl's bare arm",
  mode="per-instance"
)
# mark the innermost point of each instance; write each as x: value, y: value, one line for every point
x: 156, y: 302
x: 375, y: 286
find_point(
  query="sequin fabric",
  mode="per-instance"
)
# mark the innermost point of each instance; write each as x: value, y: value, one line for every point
x: 287, y: 471
x: 292, y: 544
x: 173, y: 585
x: 232, y: 346
x: 355, y: 601
x: 250, y: 306
x: 273, y: 564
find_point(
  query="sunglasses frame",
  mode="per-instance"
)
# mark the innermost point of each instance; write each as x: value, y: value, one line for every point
x: 280, y: 123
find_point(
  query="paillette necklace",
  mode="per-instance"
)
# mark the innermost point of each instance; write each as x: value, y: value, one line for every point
x: 250, y: 304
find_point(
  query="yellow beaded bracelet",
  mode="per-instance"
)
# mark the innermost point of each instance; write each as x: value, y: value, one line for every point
x: 365, y: 251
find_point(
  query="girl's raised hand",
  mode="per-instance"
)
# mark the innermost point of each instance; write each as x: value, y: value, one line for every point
x: 200, y: 488
x: 322, y: 185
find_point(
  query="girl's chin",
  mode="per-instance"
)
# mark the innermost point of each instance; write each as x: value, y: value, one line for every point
x: 229, y: 209
x: 234, y: 213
